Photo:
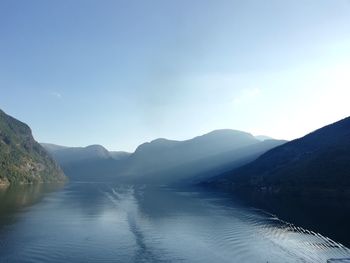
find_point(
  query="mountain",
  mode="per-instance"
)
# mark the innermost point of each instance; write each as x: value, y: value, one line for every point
x: 52, y: 147
x: 65, y: 155
x: 22, y: 159
x: 167, y: 161
x: 163, y: 161
x: 90, y: 163
x: 119, y: 155
x: 208, y: 167
x: 263, y: 137
x: 317, y: 164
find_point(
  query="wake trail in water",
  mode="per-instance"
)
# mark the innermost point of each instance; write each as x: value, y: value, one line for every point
x: 304, y: 244
x: 222, y: 232
x: 124, y: 199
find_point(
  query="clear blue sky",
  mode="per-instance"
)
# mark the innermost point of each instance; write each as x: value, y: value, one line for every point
x: 122, y: 72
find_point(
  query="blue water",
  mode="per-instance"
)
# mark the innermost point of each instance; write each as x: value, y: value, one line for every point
x: 100, y: 222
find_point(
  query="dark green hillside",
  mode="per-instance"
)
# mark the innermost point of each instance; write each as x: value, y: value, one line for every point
x: 316, y: 164
x: 22, y: 159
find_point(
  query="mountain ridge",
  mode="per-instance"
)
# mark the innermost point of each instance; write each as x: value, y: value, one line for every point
x: 165, y: 161
x: 22, y: 159
x: 318, y: 161
x: 66, y: 154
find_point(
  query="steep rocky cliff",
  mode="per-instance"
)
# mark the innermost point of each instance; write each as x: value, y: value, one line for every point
x: 22, y: 159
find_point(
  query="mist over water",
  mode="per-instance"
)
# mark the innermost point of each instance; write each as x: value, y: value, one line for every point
x: 85, y: 222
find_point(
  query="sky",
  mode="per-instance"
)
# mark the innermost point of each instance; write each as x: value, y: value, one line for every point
x: 122, y: 72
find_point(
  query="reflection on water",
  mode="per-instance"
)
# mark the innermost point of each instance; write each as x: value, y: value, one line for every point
x: 115, y: 223
x: 15, y: 198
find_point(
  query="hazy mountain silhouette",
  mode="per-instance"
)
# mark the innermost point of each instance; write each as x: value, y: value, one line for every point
x: 65, y: 155
x: 316, y: 164
x: 263, y: 137
x: 93, y: 162
x: 119, y: 155
x: 22, y: 159
x: 163, y: 161
x: 169, y: 161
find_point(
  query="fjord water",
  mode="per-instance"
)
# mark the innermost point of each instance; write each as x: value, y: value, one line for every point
x: 100, y: 222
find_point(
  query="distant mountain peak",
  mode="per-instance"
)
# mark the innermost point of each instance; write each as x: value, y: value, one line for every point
x: 96, y: 147
x: 162, y: 140
x: 65, y: 155
x: 226, y: 132
x: 156, y: 144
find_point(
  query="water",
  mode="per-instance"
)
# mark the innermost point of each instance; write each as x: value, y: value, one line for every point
x: 98, y: 222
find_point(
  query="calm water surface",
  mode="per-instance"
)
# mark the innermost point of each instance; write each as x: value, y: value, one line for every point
x: 100, y: 222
